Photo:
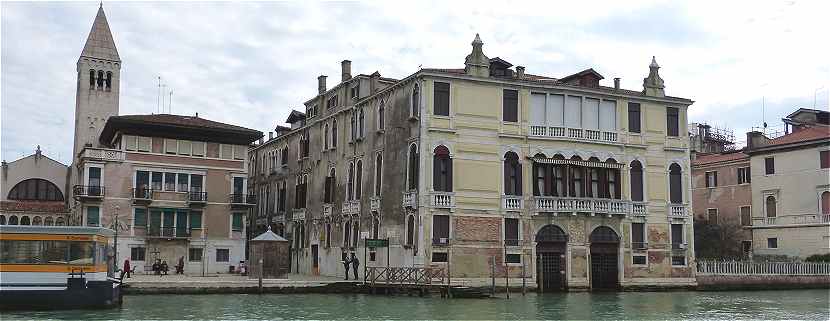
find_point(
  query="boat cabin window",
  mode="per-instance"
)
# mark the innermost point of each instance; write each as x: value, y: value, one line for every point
x: 47, y: 252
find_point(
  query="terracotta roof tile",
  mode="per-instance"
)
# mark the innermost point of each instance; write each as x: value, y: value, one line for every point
x: 180, y: 120
x: 804, y: 135
x: 704, y: 159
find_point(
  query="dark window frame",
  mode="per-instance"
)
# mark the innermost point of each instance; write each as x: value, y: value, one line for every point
x: 441, y: 99
x: 672, y: 121
x: 510, y: 105
x: 634, y: 123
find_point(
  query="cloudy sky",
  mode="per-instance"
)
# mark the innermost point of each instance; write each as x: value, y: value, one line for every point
x: 251, y: 63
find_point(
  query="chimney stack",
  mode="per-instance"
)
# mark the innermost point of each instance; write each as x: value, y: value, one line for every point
x: 617, y: 83
x: 321, y: 84
x: 270, y: 135
x: 346, y: 70
x: 520, y: 72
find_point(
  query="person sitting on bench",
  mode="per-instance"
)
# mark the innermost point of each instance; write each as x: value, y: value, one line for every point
x: 164, y: 267
x: 157, y: 267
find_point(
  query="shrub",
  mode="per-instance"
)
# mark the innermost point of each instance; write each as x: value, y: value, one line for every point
x: 818, y: 258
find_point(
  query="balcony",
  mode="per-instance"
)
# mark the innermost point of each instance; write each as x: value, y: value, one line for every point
x: 677, y: 210
x: 327, y: 210
x: 298, y: 214
x: 195, y: 199
x: 374, y: 204
x: 442, y: 200
x: 638, y: 209
x: 351, y: 207
x: 157, y: 232
x: 441, y: 241
x: 639, y: 245
x: 88, y: 193
x: 102, y: 154
x: 410, y: 199
x: 242, y: 200
x: 797, y: 219
x: 568, y: 133
x: 574, y: 205
x: 512, y: 203
x: 142, y: 195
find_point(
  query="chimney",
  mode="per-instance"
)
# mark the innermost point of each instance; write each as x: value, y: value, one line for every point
x: 755, y: 139
x: 321, y: 84
x: 270, y: 135
x: 617, y: 83
x: 346, y: 70
x: 374, y: 82
x: 261, y: 140
x: 520, y: 72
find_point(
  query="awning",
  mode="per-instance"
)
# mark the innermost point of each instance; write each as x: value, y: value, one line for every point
x: 559, y: 161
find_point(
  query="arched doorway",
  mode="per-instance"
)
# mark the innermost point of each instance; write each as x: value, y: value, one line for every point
x: 551, y: 244
x: 605, y: 244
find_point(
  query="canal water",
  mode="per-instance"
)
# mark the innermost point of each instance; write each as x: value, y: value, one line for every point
x: 797, y: 304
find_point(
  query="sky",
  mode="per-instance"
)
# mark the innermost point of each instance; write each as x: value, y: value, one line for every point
x: 250, y: 63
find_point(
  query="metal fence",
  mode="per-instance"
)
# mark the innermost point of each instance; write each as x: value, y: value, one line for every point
x: 761, y: 268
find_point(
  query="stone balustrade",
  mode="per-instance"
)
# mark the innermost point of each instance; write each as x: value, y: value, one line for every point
x: 572, y: 133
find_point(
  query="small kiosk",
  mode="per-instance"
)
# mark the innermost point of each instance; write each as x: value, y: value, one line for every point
x: 272, y: 249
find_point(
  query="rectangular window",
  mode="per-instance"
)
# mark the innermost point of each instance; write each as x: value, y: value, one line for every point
x: 743, y: 175
x: 170, y: 146
x: 824, y: 159
x: 156, y: 181
x: 170, y: 182
x: 511, y: 232
x: 672, y: 121
x: 772, y: 243
x: 137, y: 253
x: 225, y: 151
x: 195, y: 219
x: 769, y: 165
x: 140, y: 218
x: 639, y: 260
x: 638, y: 236
x: 442, y: 99
x: 181, y: 184
x: 573, y: 111
x: 746, y: 216
x: 237, y: 222
x: 439, y: 257
x: 510, y: 105
x: 712, y: 215
x: 678, y: 260
x: 194, y: 254
x: 196, y: 184
x: 355, y: 91
x: 537, y: 109
x: 238, y: 152
x: 711, y: 179
x: 677, y: 236
x: 223, y: 255
x: 634, y: 117
x: 144, y: 144
x: 93, y: 216
x: 198, y: 148
x: 130, y: 142
x: 94, y: 178
x: 746, y: 246
x: 513, y: 258
x: 440, y: 229
x: 185, y: 147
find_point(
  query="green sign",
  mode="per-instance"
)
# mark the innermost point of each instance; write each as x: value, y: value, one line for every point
x: 377, y: 243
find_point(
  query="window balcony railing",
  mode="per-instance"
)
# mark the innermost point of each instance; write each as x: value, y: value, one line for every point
x: 512, y: 242
x: 572, y: 133
x: 90, y: 153
x: 351, y: 207
x: 168, y: 232
x: 441, y: 241
x: 512, y: 202
x: 573, y: 205
x: 242, y: 199
x: 88, y: 192
x: 142, y: 194
x: 410, y: 199
x: 639, y: 245
x: 298, y: 214
x: 194, y: 197
x: 442, y: 200
x: 677, y: 210
x: 796, y: 219
x: 678, y: 246
x: 638, y: 209
x: 327, y: 210
x: 374, y: 204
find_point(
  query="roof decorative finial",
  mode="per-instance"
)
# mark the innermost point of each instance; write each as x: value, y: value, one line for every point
x: 653, y: 85
x: 654, y: 62
x: 476, y: 63
x: 100, y: 4
x: 477, y: 40
x: 269, y: 227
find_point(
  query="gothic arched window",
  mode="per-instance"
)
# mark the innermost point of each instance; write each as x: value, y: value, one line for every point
x: 35, y: 189
x: 512, y: 174
x: 91, y: 79
x: 109, y: 80
x: 358, y: 180
x: 771, y: 206
x: 100, y: 79
x: 334, y: 133
x: 412, y: 170
x: 442, y: 170
x: 410, y: 230
x: 675, y: 184
x: 380, y: 115
x: 378, y: 174
x: 636, y: 181
x: 415, y: 101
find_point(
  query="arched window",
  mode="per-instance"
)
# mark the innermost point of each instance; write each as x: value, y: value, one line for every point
x: 100, y: 80
x: 375, y: 227
x: 441, y: 170
x: 675, y: 184
x: 48, y: 221
x: 2, y: 220
x: 512, y: 174
x: 37, y: 221
x: 285, y: 155
x: 12, y: 220
x: 355, y: 233
x: 636, y: 181
x: 594, y: 185
x: 559, y: 178
x: 825, y: 204
x: 539, y: 176
x: 412, y: 171
x: 410, y: 230
x: 359, y: 180
x: 577, y: 179
x: 360, y: 123
x: 353, y: 121
x: 331, y: 187
x: 24, y: 220
x: 612, y: 180
x: 771, y: 206
x: 326, y: 137
x: 415, y: 101
x: 350, y: 183
x: 328, y: 235
x: 108, y: 82
x: 378, y: 174
x: 60, y: 221
x: 347, y: 232
x: 302, y: 235
x: 91, y: 79
x: 380, y: 115
x: 35, y: 189
x: 334, y: 133
x: 604, y: 234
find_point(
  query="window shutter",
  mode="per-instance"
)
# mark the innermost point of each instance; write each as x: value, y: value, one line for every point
x: 508, y: 189
x: 537, y: 109
x: 617, y: 184
x: 442, y: 99
x: 436, y: 173
x: 518, y: 188
x: 608, y: 115
x: 672, y: 121
x: 449, y: 174
x: 510, y: 105
x: 634, y: 117
x: 555, y: 110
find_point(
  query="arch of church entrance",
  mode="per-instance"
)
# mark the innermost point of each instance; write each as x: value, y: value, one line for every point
x: 605, y: 244
x: 551, y: 249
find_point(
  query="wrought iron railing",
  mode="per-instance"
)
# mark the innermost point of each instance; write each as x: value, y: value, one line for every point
x: 242, y: 198
x: 89, y: 191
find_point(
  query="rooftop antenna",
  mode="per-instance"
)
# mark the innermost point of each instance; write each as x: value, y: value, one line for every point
x: 163, y: 89
x: 170, y: 102
x: 158, y: 98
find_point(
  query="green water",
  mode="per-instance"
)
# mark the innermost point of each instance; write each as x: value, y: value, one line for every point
x: 798, y: 304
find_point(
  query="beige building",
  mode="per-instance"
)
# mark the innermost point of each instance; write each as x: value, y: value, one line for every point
x: 172, y: 186
x: 33, y: 190
x: 791, y: 187
x: 585, y: 185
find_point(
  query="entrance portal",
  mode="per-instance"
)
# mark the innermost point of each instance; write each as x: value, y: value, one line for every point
x: 551, y: 244
x: 605, y: 246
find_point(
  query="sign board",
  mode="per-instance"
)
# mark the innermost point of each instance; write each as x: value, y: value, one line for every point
x: 377, y: 243
x: 364, y: 235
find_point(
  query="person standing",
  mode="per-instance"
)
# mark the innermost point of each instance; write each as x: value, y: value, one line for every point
x: 126, y: 269
x: 346, y: 262
x: 355, y: 264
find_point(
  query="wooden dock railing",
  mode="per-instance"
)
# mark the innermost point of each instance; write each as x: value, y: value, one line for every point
x: 761, y: 268
x: 406, y: 275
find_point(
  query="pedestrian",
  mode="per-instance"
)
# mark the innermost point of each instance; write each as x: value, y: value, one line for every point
x: 164, y: 267
x: 157, y: 267
x: 346, y: 262
x: 126, y: 269
x: 180, y: 266
x: 355, y: 264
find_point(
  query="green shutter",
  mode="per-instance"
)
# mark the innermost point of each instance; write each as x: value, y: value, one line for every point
x: 140, y: 219
x: 93, y: 216
x: 195, y: 220
x: 237, y: 221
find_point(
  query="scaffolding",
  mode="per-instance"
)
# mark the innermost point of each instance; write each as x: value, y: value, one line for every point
x: 710, y: 139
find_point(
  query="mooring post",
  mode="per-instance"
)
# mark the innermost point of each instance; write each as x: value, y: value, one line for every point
x: 506, y: 273
x: 260, y: 274
x: 493, y: 277
x: 524, y: 277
